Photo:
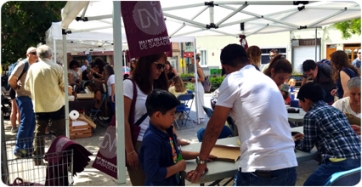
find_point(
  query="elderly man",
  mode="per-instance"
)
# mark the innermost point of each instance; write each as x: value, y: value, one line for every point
x: 351, y: 105
x: 24, y: 138
x: 255, y: 103
x: 46, y: 84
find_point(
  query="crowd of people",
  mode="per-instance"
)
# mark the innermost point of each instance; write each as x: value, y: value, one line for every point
x: 254, y: 95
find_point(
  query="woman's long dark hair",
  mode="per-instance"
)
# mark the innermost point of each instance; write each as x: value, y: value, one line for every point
x: 339, y: 60
x: 142, y: 74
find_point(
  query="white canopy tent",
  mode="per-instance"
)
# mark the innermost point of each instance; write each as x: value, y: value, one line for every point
x: 191, y: 19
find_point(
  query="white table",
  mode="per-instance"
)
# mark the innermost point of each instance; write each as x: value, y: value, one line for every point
x: 219, y: 170
x: 295, y: 117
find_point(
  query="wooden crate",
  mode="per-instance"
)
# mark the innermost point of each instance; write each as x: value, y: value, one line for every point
x: 80, y: 131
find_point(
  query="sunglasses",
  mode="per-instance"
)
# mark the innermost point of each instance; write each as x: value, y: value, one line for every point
x: 33, y: 53
x: 160, y: 65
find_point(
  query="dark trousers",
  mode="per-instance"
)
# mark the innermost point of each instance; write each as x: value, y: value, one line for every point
x: 57, y: 120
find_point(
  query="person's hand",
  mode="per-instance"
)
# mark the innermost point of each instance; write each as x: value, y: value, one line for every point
x: 132, y: 159
x: 298, y: 136
x: 182, y: 142
x: 70, y: 89
x: 356, y: 128
x: 112, y: 99
x: 192, y: 80
x: 181, y: 165
x: 194, y: 175
x: 333, y: 92
x: 211, y: 157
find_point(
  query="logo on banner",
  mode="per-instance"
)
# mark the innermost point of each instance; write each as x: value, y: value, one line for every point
x: 149, y: 18
x: 108, y: 147
x: 145, y: 28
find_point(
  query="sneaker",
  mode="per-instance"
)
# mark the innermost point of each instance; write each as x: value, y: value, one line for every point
x: 14, y: 129
x: 21, y: 154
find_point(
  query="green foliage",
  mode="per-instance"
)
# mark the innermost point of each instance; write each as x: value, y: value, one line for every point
x: 216, y: 82
x: 348, y: 28
x: 190, y: 86
x: 296, y: 73
x: 23, y: 24
x: 186, y: 75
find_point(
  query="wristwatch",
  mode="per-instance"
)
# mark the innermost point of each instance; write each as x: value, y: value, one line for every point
x: 199, y: 161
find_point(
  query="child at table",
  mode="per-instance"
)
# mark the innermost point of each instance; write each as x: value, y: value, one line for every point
x: 328, y: 129
x: 159, y: 156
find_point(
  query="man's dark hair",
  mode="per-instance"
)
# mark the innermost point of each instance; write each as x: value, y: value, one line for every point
x: 160, y: 100
x: 309, y: 65
x: 274, y: 51
x: 312, y: 91
x: 233, y: 55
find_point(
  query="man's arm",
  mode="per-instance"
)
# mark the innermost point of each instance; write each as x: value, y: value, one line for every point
x: 13, y: 81
x: 310, y: 135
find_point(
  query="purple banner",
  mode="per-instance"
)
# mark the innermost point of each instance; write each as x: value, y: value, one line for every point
x: 145, y: 28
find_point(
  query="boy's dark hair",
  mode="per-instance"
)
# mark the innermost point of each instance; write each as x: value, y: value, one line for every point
x: 312, y: 91
x: 309, y: 65
x: 73, y: 63
x: 160, y: 100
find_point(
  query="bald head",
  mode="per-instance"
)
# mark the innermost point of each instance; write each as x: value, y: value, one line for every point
x: 44, y: 51
x: 30, y: 49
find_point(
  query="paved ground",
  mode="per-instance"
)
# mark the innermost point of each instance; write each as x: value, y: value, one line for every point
x: 93, y: 177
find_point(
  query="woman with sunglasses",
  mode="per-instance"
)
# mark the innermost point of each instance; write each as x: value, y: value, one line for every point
x: 148, y: 75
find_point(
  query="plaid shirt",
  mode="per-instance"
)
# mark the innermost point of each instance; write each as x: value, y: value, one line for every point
x: 328, y: 129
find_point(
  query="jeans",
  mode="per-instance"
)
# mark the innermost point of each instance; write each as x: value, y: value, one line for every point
x: 280, y: 177
x: 111, y: 104
x: 321, y: 175
x: 25, y: 134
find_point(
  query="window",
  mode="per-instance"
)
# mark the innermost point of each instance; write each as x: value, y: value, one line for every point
x: 265, y: 54
x: 203, y: 58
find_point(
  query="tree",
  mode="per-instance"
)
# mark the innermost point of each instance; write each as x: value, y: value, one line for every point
x: 349, y: 27
x: 23, y: 24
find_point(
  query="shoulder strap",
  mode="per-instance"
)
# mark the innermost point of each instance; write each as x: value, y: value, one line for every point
x: 133, y: 107
x: 25, y: 69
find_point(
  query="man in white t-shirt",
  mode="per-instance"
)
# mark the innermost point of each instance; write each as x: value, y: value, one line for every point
x: 255, y: 103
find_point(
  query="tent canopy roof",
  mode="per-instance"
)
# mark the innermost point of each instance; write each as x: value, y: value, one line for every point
x: 219, y: 17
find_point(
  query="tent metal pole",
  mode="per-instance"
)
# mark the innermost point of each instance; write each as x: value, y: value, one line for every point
x: 183, y: 7
x: 249, y: 34
x: 185, y: 20
x: 55, y: 50
x: 117, y: 41
x: 85, y: 10
x: 315, y: 45
x: 91, y: 29
x: 211, y: 13
x: 332, y: 8
x: 196, y: 85
x: 325, y: 18
x: 260, y: 2
x: 95, y: 18
x: 231, y: 14
x: 270, y: 19
x: 65, y: 65
x: 184, y: 24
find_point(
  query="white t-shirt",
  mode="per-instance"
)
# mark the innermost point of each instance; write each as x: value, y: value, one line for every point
x: 261, y: 119
x: 110, y: 81
x: 140, y: 108
x: 343, y: 105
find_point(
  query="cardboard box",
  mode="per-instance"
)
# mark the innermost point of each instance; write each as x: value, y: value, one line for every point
x: 226, y: 153
x: 85, y: 95
x: 79, y: 129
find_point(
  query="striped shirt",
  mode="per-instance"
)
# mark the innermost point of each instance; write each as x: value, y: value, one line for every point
x: 328, y: 129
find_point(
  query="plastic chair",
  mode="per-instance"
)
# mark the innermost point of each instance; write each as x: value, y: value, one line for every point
x: 184, y: 108
x: 345, y: 178
x: 208, y: 111
x: 230, y: 120
x: 190, y: 92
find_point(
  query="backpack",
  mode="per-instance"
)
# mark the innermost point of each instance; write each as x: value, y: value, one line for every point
x: 25, y: 69
x: 207, y: 84
x: 11, y: 68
